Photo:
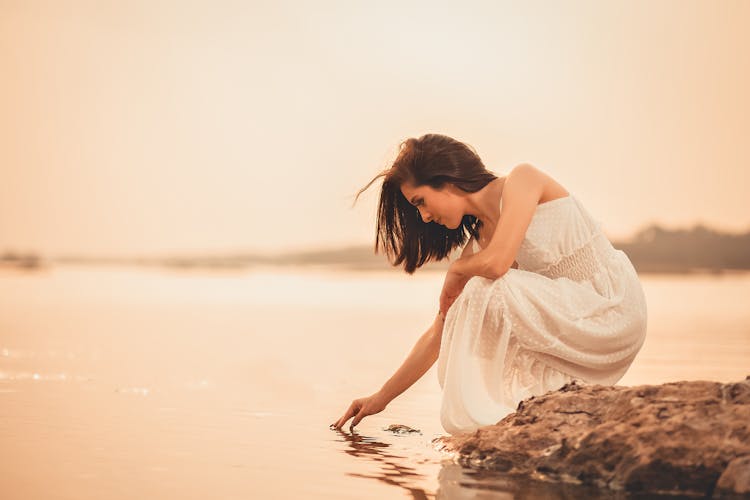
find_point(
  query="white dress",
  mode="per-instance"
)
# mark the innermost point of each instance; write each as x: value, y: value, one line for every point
x: 574, y: 309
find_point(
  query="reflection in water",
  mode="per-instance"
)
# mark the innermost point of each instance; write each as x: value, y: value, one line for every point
x: 394, y: 472
x: 457, y: 482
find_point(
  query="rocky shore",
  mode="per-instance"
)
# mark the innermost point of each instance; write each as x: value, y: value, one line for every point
x: 684, y: 438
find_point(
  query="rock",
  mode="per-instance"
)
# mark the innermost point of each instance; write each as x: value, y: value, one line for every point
x: 401, y: 429
x: 736, y: 477
x: 687, y: 438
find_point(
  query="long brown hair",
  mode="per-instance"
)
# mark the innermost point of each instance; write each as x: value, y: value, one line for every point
x: 431, y: 160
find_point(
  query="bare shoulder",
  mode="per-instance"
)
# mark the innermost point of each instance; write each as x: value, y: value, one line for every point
x: 529, y: 177
x: 525, y: 187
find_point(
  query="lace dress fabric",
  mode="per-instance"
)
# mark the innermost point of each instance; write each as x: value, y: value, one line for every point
x: 574, y: 309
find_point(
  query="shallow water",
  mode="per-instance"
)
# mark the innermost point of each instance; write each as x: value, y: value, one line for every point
x: 120, y: 382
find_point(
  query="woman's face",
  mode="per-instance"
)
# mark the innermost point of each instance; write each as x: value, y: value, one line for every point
x: 443, y: 206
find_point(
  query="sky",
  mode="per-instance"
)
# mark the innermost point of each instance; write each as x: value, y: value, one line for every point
x: 150, y: 127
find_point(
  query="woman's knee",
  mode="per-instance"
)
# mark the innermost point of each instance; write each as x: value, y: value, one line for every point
x: 485, y: 291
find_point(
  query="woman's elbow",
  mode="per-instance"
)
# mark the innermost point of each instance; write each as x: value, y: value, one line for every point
x: 495, y: 271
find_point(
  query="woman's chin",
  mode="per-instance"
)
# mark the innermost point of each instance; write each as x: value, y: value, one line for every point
x: 447, y: 225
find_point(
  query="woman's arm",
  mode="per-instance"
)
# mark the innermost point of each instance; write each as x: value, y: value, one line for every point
x: 521, y: 194
x: 422, y: 356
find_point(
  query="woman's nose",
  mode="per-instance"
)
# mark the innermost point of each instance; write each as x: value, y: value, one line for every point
x: 426, y: 216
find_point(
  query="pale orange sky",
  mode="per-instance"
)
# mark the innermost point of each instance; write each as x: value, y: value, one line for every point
x: 170, y: 126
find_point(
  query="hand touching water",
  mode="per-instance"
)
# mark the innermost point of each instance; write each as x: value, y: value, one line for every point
x: 421, y: 357
x: 360, y: 408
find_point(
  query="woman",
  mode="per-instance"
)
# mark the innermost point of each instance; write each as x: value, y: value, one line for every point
x: 538, y: 297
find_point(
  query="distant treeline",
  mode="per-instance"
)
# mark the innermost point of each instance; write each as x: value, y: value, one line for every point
x: 653, y: 249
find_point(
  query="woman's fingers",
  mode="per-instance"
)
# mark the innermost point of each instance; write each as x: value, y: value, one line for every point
x: 358, y: 418
x: 446, y: 301
x: 359, y: 409
x: 350, y: 412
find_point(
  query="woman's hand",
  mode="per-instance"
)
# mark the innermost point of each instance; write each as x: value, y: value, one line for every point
x: 360, y: 408
x: 452, y: 288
